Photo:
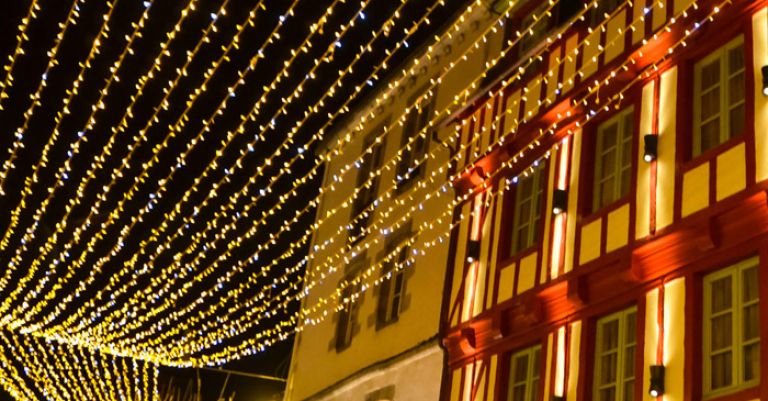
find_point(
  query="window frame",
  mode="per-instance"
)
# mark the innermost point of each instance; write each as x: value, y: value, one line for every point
x: 347, y: 317
x: 387, y: 292
x: 507, y: 252
x: 538, y: 198
x: 530, y: 379
x: 734, y: 271
x: 720, y: 53
x: 371, y: 161
x: 595, y: 205
x: 621, y: 346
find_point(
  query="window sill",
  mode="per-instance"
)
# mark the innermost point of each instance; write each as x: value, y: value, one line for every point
x: 713, y: 153
x: 738, y: 394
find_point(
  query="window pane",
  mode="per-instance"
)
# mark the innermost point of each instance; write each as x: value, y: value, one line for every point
x: 736, y: 89
x: 735, y: 59
x: 534, y: 390
x: 710, y: 75
x: 629, y: 390
x: 710, y: 135
x: 631, y: 329
x: 610, y: 335
x: 751, y: 323
x: 609, y: 136
x: 606, y: 192
x: 721, y: 294
x: 721, y: 332
x: 710, y: 104
x: 518, y: 393
x: 521, y: 369
x: 751, y: 362
x: 721, y: 370
x: 736, y: 121
x: 608, y: 394
x: 608, y: 368
x: 749, y: 284
x: 608, y: 163
x: 624, y: 190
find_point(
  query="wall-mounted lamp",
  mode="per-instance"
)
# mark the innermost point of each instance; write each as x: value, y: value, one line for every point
x: 656, y: 387
x: 559, y: 201
x: 765, y: 80
x: 473, y: 251
x: 651, y: 149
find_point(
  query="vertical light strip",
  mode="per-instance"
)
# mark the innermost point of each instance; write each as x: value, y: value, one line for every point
x: 562, y: 183
x: 760, y: 43
x: 673, y: 354
x: 560, y: 363
x: 573, y: 360
x: 471, y: 280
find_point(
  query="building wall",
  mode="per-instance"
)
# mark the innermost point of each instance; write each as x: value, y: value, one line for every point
x: 685, y: 217
x: 317, y: 366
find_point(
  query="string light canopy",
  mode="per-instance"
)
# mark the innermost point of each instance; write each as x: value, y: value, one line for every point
x: 178, y: 121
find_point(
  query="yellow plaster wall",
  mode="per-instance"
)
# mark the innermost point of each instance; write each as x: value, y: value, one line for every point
x: 527, y: 276
x: 590, y: 52
x: 480, y: 374
x: 492, y: 376
x: 695, y: 190
x: 615, y: 38
x: 574, y: 348
x: 548, y: 366
x: 483, y: 265
x: 511, y: 112
x: 507, y: 282
x: 570, y: 63
x: 532, y: 97
x: 731, y: 172
x: 674, y: 339
x: 638, y: 33
x: 665, y: 164
x: 456, y: 384
x: 553, y: 73
x: 573, y: 201
x: 651, y: 338
x: 618, y: 229
x: 590, y: 241
x: 659, y: 13
x: 642, y: 196
x: 680, y: 5
x: 760, y: 43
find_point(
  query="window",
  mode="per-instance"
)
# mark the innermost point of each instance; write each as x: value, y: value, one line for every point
x: 615, y: 357
x: 371, y: 163
x: 533, y: 30
x: 392, y: 289
x: 719, y: 96
x: 524, y: 375
x: 412, y: 163
x: 346, y: 325
x: 528, y: 203
x: 613, y: 159
x: 731, y: 329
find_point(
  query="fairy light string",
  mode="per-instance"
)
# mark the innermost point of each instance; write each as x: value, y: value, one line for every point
x: 98, y: 161
x: 71, y: 19
x: 65, y: 169
x: 218, y: 287
x: 618, y: 96
x: 166, y: 272
x: 21, y: 38
x: 145, y: 315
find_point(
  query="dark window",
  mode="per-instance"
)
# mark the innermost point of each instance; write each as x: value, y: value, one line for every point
x: 604, y: 8
x: 412, y: 162
x: 613, y: 159
x: 392, y: 289
x: 368, y: 182
x: 346, y: 325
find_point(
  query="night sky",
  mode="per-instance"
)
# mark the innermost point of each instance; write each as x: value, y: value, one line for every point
x: 30, y: 69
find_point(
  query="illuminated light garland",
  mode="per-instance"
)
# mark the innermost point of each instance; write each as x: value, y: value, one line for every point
x: 164, y: 279
x: 182, y: 272
x: 252, y: 279
x: 159, y: 194
x: 65, y: 169
x: 97, y: 164
x: 72, y: 17
x: 56, y: 372
x: 590, y: 116
x: 21, y: 37
x: 74, y: 149
x: 259, y: 55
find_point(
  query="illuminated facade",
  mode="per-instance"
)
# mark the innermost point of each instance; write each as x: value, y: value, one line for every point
x: 381, y: 341
x: 616, y: 213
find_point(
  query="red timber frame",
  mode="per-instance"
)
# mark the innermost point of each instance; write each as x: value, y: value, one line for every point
x: 727, y: 231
